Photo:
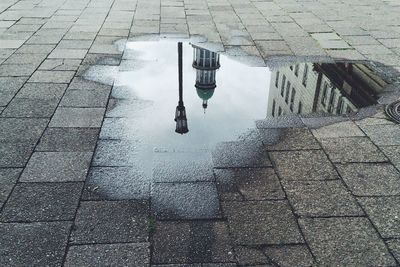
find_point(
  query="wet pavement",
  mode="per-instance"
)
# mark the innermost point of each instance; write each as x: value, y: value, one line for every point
x: 288, y: 159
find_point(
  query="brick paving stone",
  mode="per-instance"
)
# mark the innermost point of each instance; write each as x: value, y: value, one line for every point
x: 340, y: 129
x: 248, y: 184
x: 345, y: 242
x: 130, y: 254
x: 303, y: 165
x: 77, y: 117
x: 240, y: 154
x: 375, y: 179
x: 321, y: 198
x: 116, y: 183
x: 48, y: 76
x: 111, y: 222
x: 85, y: 98
x: 30, y: 108
x: 8, y: 178
x: 185, y: 200
x: 33, y: 244
x: 42, y: 202
x: 293, y: 255
x: 68, y: 139
x: 352, y: 149
x: 57, y: 167
x: 383, y: 134
x: 273, y: 221
x: 393, y: 153
x: 289, y: 139
x: 192, y: 241
x: 384, y: 213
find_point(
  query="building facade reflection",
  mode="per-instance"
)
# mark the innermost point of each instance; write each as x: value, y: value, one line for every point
x: 337, y: 89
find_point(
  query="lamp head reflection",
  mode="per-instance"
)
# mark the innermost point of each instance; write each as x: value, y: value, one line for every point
x: 180, y: 119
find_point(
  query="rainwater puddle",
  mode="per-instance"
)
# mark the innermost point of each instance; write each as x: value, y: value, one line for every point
x: 170, y: 155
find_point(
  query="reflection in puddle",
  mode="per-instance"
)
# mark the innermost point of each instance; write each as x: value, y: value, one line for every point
x: 222, y: 99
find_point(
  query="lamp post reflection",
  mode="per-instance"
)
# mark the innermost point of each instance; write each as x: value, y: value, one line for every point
x: 180, y: 113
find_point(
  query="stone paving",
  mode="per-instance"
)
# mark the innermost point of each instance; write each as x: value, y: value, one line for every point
x: 311, y: 200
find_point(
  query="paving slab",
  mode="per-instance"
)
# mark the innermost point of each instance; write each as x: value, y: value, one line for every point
x: 394, y: 247
x: 13, y: 130
x: 273, y: 221
x: 85, y: 98
x: 251, y: 256
x: 340, y: 129
x: 345, y: 242
x: 116, y: 183
x: 185, y: 200
x: 191, y: 242
x: 42, y: 202
x: 385, y: 135
x: 49, y: 76
x: 8, y: 179
x: 375, y: 179
x: 130, y: 254
x: 68, y: 139
x: 290, y: 255
x: 352, y: 149
x: 393, y: 153
x: 27, y: 244
x: 77, y: 117
x: 15, y: 154
x: 116, y: 153
x: 57, y: 167
x: 248, y: 184
x: 12, y: 70
x: 42, y: 91
x: 9, y: 88
x: 30, y: 108
x: 303, y: 165
x: 321, y: 198
x: 289, y: 139
x: 111, y: 222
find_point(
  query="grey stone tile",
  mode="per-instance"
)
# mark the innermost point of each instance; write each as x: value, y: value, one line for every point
x: 129, y: 254
x: 68, y: 53
x: 82, y: 84
x: 30, y: 108
x: 289, y: 139
x: 303, y: 165
x: 42, y: 91
x: 383, y: 135
x: 60, y: 64
x: 289, y: 121
x: 374, y: 179
x: 393, y: 153
x: 15, y: 154
x: 185, y: 200
x: 9, y: 87
x: 8, y: 178
x: 182, y: 167
x: 11, y: 43
x: 384, y: 213
x: 293, y: 255
x: 42, y: 202
x: 13, y: 130
x: 240, y: 154
x: 111, y: 222
x: 340, y: 129
x: 117, y: 153
x: 32, y: 59
x: 57, y: 167
x: 77, y: 117
x: 345, y: 242
x: 38, y: 244
x: 116, y: 183
x: 352, y: 149
x: 85, y: 98
x: 248, y: 184
x: 394, y: 247
x: 49, y: 76
x: 321, y: 198
x: 273, y: 221
x: 251, y: 256
x: 12, y: 70
x: 35, y: 49
x: 193, y: 241
x: 102, y: 59
x: 68, y: 139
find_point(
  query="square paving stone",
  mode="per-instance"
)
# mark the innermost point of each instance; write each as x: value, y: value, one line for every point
x: 33, y: 244
x: 394, y: 246
x: 8, y: 178
x: 183, y: 167
x: 111, y: 222
x: 129, y: 254
x: 262, y: 223
x: 68, y: 53
x: 345, y: 242
x: 14, y: 130
x: 13, y: 70
x: 383, y: 135
x: 189, y: 242
x: 85, y: 98
x: 293, y: 255
x: 42, y: 202
x: 116, y: 153
x: 303, y: 165
x: 321, y: 198
x: 393, y: 153
x: 68, y: 139
x: 80, y: 83
x: 77, y: 117
x: 57, y: 167
x: 251, y: 256
x: 28, y: 108
x: 185, y: 200
x: 116, y: 183
x: 352, y: 149
x: 48, y: 76
x: 240, y: 154
x: 340, y: 129
x: 42, y: 91
x: 289, y: 139
x: 15, y: 154
x: 9, y: 87
x: 248, y: 184
x: 378, y: 179
x: 384, y: 213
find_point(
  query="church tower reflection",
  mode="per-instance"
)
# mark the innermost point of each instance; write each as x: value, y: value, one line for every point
x: 206, y: 64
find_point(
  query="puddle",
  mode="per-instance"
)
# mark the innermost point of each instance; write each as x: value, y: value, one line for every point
x: 222, y: 99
